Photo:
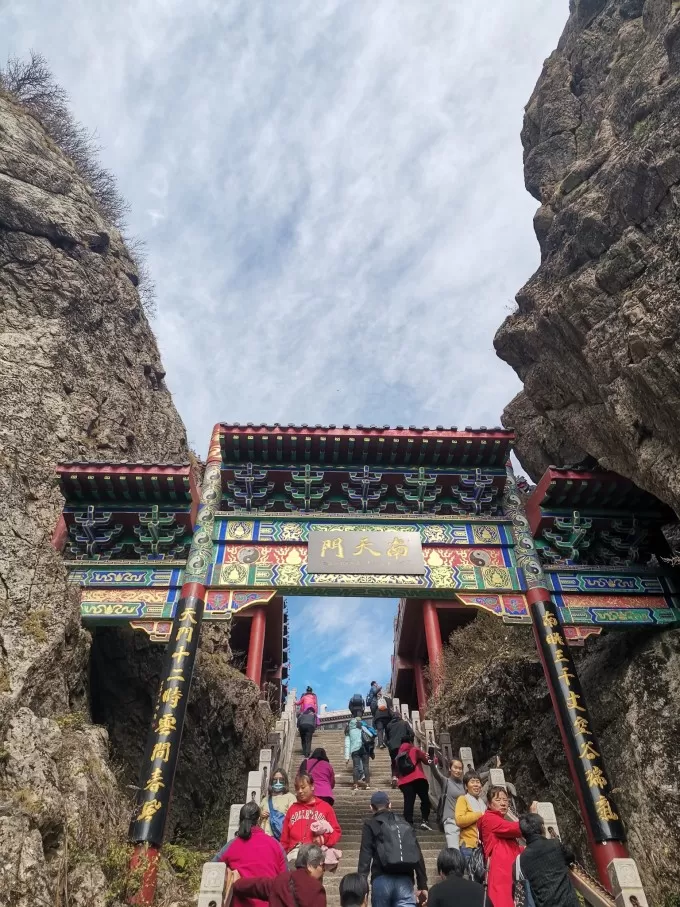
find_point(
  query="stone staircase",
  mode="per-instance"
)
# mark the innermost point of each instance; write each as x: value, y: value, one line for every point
x: 352, y: 808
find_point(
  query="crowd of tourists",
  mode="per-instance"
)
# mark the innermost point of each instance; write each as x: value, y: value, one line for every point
x: 285, y: 844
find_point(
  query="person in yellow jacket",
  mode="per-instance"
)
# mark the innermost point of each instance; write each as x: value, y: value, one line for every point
x: 469, y: 810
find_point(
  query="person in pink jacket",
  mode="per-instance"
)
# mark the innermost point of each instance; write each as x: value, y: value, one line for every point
x: 321, y: 772
x: 308, y: 701
x: 413, y: 782
x: 252, y: 854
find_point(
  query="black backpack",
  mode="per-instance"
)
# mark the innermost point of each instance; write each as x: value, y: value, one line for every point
x: 404, y: 764
x: 307, y: 720
x: 356, y: 704
x: 397, y: 846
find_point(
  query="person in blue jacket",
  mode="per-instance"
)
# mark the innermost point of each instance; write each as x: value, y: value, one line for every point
x: 360, y: 748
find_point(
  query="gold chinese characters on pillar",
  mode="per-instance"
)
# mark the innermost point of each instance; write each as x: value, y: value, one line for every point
x: 357, y: 551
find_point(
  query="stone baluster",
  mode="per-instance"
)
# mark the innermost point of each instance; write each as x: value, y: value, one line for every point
x: 253, y: 791
x: 396, y: 707
x: 213, y: 885
x: 234, y: 811
x: 626, y: 883
x: 466, y: 757
x: 497, y: 778
x: 428, y: 730
x: 264, y: 768
x: 547, y: 812
x: 415, y: 721
x: 446, y: 748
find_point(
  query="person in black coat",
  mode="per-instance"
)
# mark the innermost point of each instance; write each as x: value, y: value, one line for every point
x: 396, y: 731
x: 545, y: 865
x: 454, y: 889
x: 381, y: 717
x: 307, y: 725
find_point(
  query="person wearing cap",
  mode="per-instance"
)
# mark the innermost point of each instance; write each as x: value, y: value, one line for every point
x: 393, y: 889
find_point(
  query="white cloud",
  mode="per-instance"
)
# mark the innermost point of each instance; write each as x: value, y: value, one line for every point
x: 331, y: 195
x: 331, y: 192
x: 339, y: 645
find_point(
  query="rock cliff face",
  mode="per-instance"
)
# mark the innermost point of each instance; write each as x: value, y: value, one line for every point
x: 495, y: 700
x: 595, y: 336
x: 80, y: 378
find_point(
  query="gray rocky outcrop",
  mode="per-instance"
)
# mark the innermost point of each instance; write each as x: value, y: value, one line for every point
x: 595, y: 335
x: 80, y: 379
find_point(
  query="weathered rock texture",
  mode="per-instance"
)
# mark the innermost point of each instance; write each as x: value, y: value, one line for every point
x: 223, y: 733
x: 495, y: 699
x: 80, y: 378
x: 595, y: 336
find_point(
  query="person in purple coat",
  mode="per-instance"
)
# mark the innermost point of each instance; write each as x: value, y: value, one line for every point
x: 321, y: 771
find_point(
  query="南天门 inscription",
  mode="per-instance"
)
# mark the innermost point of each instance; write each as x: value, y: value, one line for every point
x: 365, y: 552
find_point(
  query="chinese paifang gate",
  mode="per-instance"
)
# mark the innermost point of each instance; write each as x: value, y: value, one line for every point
x: 433, y: 517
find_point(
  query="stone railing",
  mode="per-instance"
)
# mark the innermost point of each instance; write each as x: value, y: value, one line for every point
x: 215, y: 880
x: 623, y: 873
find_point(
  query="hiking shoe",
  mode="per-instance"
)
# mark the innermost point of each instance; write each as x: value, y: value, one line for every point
x: 425, y: 826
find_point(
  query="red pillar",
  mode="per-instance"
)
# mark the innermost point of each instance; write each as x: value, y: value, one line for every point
x: 421, y: 692
x: 60, y: 534
x: 256, y: 645
x: 433, y: 637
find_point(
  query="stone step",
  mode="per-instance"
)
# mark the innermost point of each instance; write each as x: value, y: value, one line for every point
x: 352, y: 808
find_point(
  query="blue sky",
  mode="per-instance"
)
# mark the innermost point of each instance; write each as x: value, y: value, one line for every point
x: 339, y: 645
x: 331, y: 195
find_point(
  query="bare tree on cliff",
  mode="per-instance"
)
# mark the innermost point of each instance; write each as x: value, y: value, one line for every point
x: 31, y: 84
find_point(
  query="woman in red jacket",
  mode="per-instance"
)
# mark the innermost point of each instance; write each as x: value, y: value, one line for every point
x: 413, y: 782
x: 299, y: 818
x: 499, y: 840
x: 252, y: 854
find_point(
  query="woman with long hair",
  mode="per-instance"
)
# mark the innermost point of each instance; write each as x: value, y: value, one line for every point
x: 276, y: 804
x: 252, y: 853
x: 321, y: 772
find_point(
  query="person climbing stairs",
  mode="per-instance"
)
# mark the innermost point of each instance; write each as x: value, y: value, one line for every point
x: 353, y: 807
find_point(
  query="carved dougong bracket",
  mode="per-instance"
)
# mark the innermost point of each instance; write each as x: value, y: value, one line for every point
x: 158, y: 536
x: 93, y: 536
x: 568, y: 538
x: 476, y: 493
x: 250, y: 489
x: 419, y: 493
x: 364, y: 491
x: 625, y: 543
x: 307, y: 490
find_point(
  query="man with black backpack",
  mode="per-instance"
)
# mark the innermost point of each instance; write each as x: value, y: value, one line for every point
x: 381, y: 709
x: 356, y: 706
x: 396, y: 731
x: 390, y: 851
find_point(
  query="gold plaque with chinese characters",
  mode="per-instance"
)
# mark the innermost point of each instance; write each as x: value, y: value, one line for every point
x: 392, y: 552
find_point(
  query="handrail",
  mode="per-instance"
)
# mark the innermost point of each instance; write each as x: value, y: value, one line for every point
x: 593, y: 893
x: 589, y: 888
